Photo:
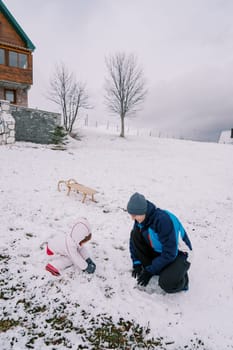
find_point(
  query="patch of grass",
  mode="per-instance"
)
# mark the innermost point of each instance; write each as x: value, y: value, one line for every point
x: 123, y: 335
x: 6, y: 324
x: 58, y: 340
x: 37, y: 309
x: 30, y: 308
x: 27, y: 304
x: 29, y: 235
x: 4, y: 258
x: 8, y: 292
x: 60, y: 323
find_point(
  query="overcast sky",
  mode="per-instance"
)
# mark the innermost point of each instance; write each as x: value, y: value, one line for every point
x: 185, y: 48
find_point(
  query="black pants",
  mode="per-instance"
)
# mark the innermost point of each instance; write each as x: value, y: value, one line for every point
x: 174, y: 277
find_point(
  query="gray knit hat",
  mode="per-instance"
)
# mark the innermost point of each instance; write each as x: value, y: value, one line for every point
x: 137, y: 204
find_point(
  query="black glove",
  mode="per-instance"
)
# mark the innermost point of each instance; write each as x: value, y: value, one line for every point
x: 137, y: 270
x: 144, y: 278
x: 91, y: 266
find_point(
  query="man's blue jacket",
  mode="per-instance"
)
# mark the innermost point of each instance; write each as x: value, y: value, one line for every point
x: 162, y: 231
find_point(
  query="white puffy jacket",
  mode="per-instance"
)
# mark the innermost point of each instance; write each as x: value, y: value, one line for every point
x: 70, y: 245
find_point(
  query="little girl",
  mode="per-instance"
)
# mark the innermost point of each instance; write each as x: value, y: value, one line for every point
x: 70, y: 250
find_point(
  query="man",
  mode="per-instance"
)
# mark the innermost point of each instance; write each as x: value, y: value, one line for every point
x: 154, y: 246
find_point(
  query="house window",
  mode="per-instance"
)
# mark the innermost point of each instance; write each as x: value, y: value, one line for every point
x: 2, y: 56
x: 22, y: 60
x: 13, y: 59
x: 10, y: 95
x: 18, y: 60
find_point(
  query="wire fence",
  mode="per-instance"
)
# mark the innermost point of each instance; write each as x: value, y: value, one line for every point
x: 129, y: 129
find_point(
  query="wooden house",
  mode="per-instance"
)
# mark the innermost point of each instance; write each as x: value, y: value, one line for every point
x: 16, y: 66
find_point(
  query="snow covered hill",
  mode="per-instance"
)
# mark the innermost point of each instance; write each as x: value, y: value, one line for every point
x: 38, y: 311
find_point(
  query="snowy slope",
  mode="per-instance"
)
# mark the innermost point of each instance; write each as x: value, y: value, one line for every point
x: 192, y: 179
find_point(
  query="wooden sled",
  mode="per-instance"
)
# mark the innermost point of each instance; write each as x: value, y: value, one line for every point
x: 72, y: 184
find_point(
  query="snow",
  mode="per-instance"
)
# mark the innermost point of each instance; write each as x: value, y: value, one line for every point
x: 192, y: 179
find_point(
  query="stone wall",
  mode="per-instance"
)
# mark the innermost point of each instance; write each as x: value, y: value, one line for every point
x: 34, y: 125
x: 7, y: 124
x: 19, y: 123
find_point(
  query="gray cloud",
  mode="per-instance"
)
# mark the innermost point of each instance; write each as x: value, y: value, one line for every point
x: 197, y: 103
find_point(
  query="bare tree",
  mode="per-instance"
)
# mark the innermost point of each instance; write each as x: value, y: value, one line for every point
x: 124, y: 86
x: 69, y: 94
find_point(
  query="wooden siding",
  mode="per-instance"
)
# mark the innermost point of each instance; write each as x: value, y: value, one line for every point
x: 16, y: 74
x: 8, y: 34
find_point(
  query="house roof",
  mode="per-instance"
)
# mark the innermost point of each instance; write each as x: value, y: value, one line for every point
x: 16, y: 26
